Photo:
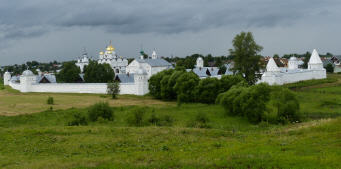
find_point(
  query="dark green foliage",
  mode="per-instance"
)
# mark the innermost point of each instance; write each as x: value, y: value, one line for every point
x: 78, y: 120
x: 185, y: 87
x: 306, y: 60
x: 246, y: 57
x: 98, y: 73
x: 207, y: 90
x: 113, y: 88
x: 261, y: 103
x: 165, y: 120
x: 285, y: 104
x: 136, y: 117
x: 50, y: 100
x: 2, y: 87
x: 102, y: 110
x: 154, y: 119
x: 166, y: 91
x: 330, y: 68
x: 155, y: 83
x: 69, y: 73
x: 171, y: 83
x: 227, y: 81
x: 201, y: 121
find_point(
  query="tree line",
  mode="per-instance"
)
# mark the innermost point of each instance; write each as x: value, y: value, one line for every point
x: 237, y: 93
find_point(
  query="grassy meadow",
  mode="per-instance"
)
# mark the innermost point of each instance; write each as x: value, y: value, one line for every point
x: 34, y: 136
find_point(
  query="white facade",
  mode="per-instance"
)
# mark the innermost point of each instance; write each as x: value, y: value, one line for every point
x: 82, y: 62
x: 275, y: 75
x: 151, y: 66
x: 28, y: 83
x: 118, y: 64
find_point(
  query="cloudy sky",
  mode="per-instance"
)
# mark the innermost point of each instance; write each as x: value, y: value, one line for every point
x: 47, y: 30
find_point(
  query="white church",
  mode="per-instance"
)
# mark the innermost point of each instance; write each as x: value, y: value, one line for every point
x: 275, y: 75
x: 109, y: 56
x: 133, y: 78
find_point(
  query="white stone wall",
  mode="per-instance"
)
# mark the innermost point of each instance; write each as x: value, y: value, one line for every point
x: 98, y: 88
x: 284, y: 78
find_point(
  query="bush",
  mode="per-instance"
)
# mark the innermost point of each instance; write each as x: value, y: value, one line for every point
x: 161, y: 121
x: 285, y: 104
x: 113, y: 89
x: 50, y: 100
x: 207, y: 90
x: 102, y: 110
x: 185, y: 87
x: 201, y: 121
x: 78, y: 120
x: 261, y: 103
x: 154, y: 120
x: 136, y: 117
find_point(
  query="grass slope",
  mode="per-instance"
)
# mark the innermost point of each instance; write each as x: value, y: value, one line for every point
x: 43, y: 140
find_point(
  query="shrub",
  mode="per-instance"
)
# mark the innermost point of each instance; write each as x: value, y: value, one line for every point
x: 207, y: 90
x: 50, y: 100
x: 102, y: 110
x: 155, y: 83
x: 201, y: 121
x: 113, y: 89
x: 136, y: 117
x: 185, y: 87
x: 154, y: 120
x: 285, y: 104
x: 78, y: 120
x: 161, y: 121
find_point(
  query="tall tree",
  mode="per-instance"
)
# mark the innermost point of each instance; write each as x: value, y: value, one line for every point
x: 98, y: 73
x: 246, y: 57
x: 69, y: 73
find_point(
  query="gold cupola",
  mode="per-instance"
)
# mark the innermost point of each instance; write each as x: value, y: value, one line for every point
x: 101, y: 53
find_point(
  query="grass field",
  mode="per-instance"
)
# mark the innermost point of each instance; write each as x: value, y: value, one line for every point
x: 43, y: 140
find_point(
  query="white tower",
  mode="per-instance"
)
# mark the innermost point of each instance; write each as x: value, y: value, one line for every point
x: 315, y: 62
x: 27, y: 79
x: 200, y: 63
x: 154, y: 55
x: 293, y: 63
x: 141, y: 82
x: 7, y: 78
x: 272, y: 66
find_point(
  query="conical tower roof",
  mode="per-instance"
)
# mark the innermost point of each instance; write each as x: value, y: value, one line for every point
x: 272, y: 66
x: 315, y: 58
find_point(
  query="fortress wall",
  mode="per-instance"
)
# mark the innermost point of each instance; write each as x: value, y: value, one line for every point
x: 98, y: 88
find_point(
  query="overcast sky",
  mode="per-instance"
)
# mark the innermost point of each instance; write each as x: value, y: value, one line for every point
x: 47, y: 30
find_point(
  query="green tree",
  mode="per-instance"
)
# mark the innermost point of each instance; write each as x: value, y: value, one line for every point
x: 155, y: 83
x: 285, y: 103
x: 185, y: 87
x: 69, y: 73
x: 113, y: 88
x: 227, y: 81
x: 207, y: 90
x: 306, y: 60
x: 98, y: 73
x: 330, y: 68
x: 246, y: 57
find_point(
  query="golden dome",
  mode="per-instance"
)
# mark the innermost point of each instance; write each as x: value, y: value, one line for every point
x: 110, y: 48
x: 109, y: 52
x: 101, y: 53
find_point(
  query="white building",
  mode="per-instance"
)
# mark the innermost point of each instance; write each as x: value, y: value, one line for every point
x: 83, y: 61
x: 204, y: 72
x: 118, y: 64
x: 29, y: 82
x: 279, y: 76
x: 151, y: 65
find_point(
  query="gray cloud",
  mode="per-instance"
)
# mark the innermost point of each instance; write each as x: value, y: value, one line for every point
x: 23, y: 20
